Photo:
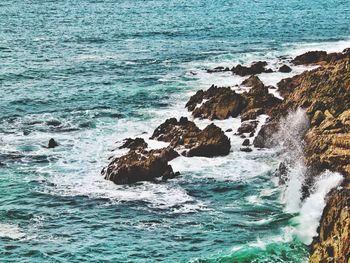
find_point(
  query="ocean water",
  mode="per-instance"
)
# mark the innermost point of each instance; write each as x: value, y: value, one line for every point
x: 91, y: 73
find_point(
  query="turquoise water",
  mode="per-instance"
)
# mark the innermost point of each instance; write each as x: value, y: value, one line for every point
x: 90, y: 73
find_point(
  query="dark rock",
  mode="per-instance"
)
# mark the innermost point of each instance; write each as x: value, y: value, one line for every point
x: 251, y: 114
x: 282, y: 173
x: 246, y: 149
x: 246, y: 142
x: 255, y: 68
x: 209, y: 142
x: 264, y: 137
x: 215, y: 70
x: 247, y: 127
x: 229, y: 130
x: 141, y: 165
x: 285, y: 69
x: 310, y: 57
x: 52, y: 143
x: 54, y: 123
x: 254, y: 82
x: 133, y: 144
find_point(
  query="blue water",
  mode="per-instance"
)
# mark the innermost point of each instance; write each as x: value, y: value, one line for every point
x: 90, y: 73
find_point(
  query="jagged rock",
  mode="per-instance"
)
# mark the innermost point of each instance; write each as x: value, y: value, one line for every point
x: 246, y: 142
x: 216, y: 103
x: 133, y: 144
x: 185, y: 135
x: 255, y: 68
x: 317, y: 90
x: 254, y: 82
x: 247, y: 127
x: 141, y: 165
x: 285, y: 69
x: 333, y: 241
x: 317, y: 118
x: 264, y: 137
x: 251, y: 114
x: 228, y: 130
x: 52, y: 143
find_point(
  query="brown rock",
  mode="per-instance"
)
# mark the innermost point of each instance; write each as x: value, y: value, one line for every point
x: 221, y: 103
x: 141, y: 165
x: 333, y: 241
x: 209, y: 142
x: 247, y: 127
x: 311, y: 57
x: 133, y: 144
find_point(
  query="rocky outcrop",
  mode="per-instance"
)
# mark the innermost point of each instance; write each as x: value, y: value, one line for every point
x: 186, y: 137
x: 141, y: 165
x: 133, y: 144
x: 216, y: 103
x: 255, y: 68
x: 320, y: 57
x: 284, y: 69
x: 222, y: 103
x: 324, y: 94
x: 333, y: 241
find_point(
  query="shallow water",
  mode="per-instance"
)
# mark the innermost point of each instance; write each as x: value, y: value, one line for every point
x: 90, y: 73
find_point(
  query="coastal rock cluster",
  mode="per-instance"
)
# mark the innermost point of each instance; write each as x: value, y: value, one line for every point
x: 324, y: 94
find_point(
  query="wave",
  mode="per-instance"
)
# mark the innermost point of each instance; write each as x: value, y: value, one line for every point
x: 11, y: 231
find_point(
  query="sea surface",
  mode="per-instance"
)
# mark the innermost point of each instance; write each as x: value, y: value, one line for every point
x: 91, y: 73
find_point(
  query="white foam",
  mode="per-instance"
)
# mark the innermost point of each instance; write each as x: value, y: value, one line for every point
x: 311, y: 210
x: 11, y: 231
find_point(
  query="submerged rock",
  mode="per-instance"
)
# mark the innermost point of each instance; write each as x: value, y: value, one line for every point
x: 185, y: 135
x: 141, y: 165
x: 52, y: 143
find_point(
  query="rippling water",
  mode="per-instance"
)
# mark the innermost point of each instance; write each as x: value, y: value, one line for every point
x: 90, y: 73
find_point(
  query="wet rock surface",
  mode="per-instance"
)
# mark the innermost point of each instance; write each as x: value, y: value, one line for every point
x: 216, y: 103
x: 141, y: 165
x: 133, y: 144
x: 52, y: 144
x: 324, y: 94
x: 333, y: 241
x: 255, y: 68
x: 222, y: 103
x: 186, y: 137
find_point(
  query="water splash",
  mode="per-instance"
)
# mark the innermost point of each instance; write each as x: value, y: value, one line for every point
x: 311, y: 210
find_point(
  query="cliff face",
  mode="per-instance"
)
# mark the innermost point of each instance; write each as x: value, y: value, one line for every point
x: 324, y: 93
x: 333, y: 242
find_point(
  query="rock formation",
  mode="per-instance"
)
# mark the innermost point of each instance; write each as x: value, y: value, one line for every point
x: 324, y: 93
x: 141, y: 165
x: 185, y: 136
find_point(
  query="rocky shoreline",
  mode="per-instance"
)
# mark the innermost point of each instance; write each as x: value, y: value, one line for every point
x: 323, y: 93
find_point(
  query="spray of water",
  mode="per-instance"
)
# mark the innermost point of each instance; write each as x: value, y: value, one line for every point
x: 290, y: 145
